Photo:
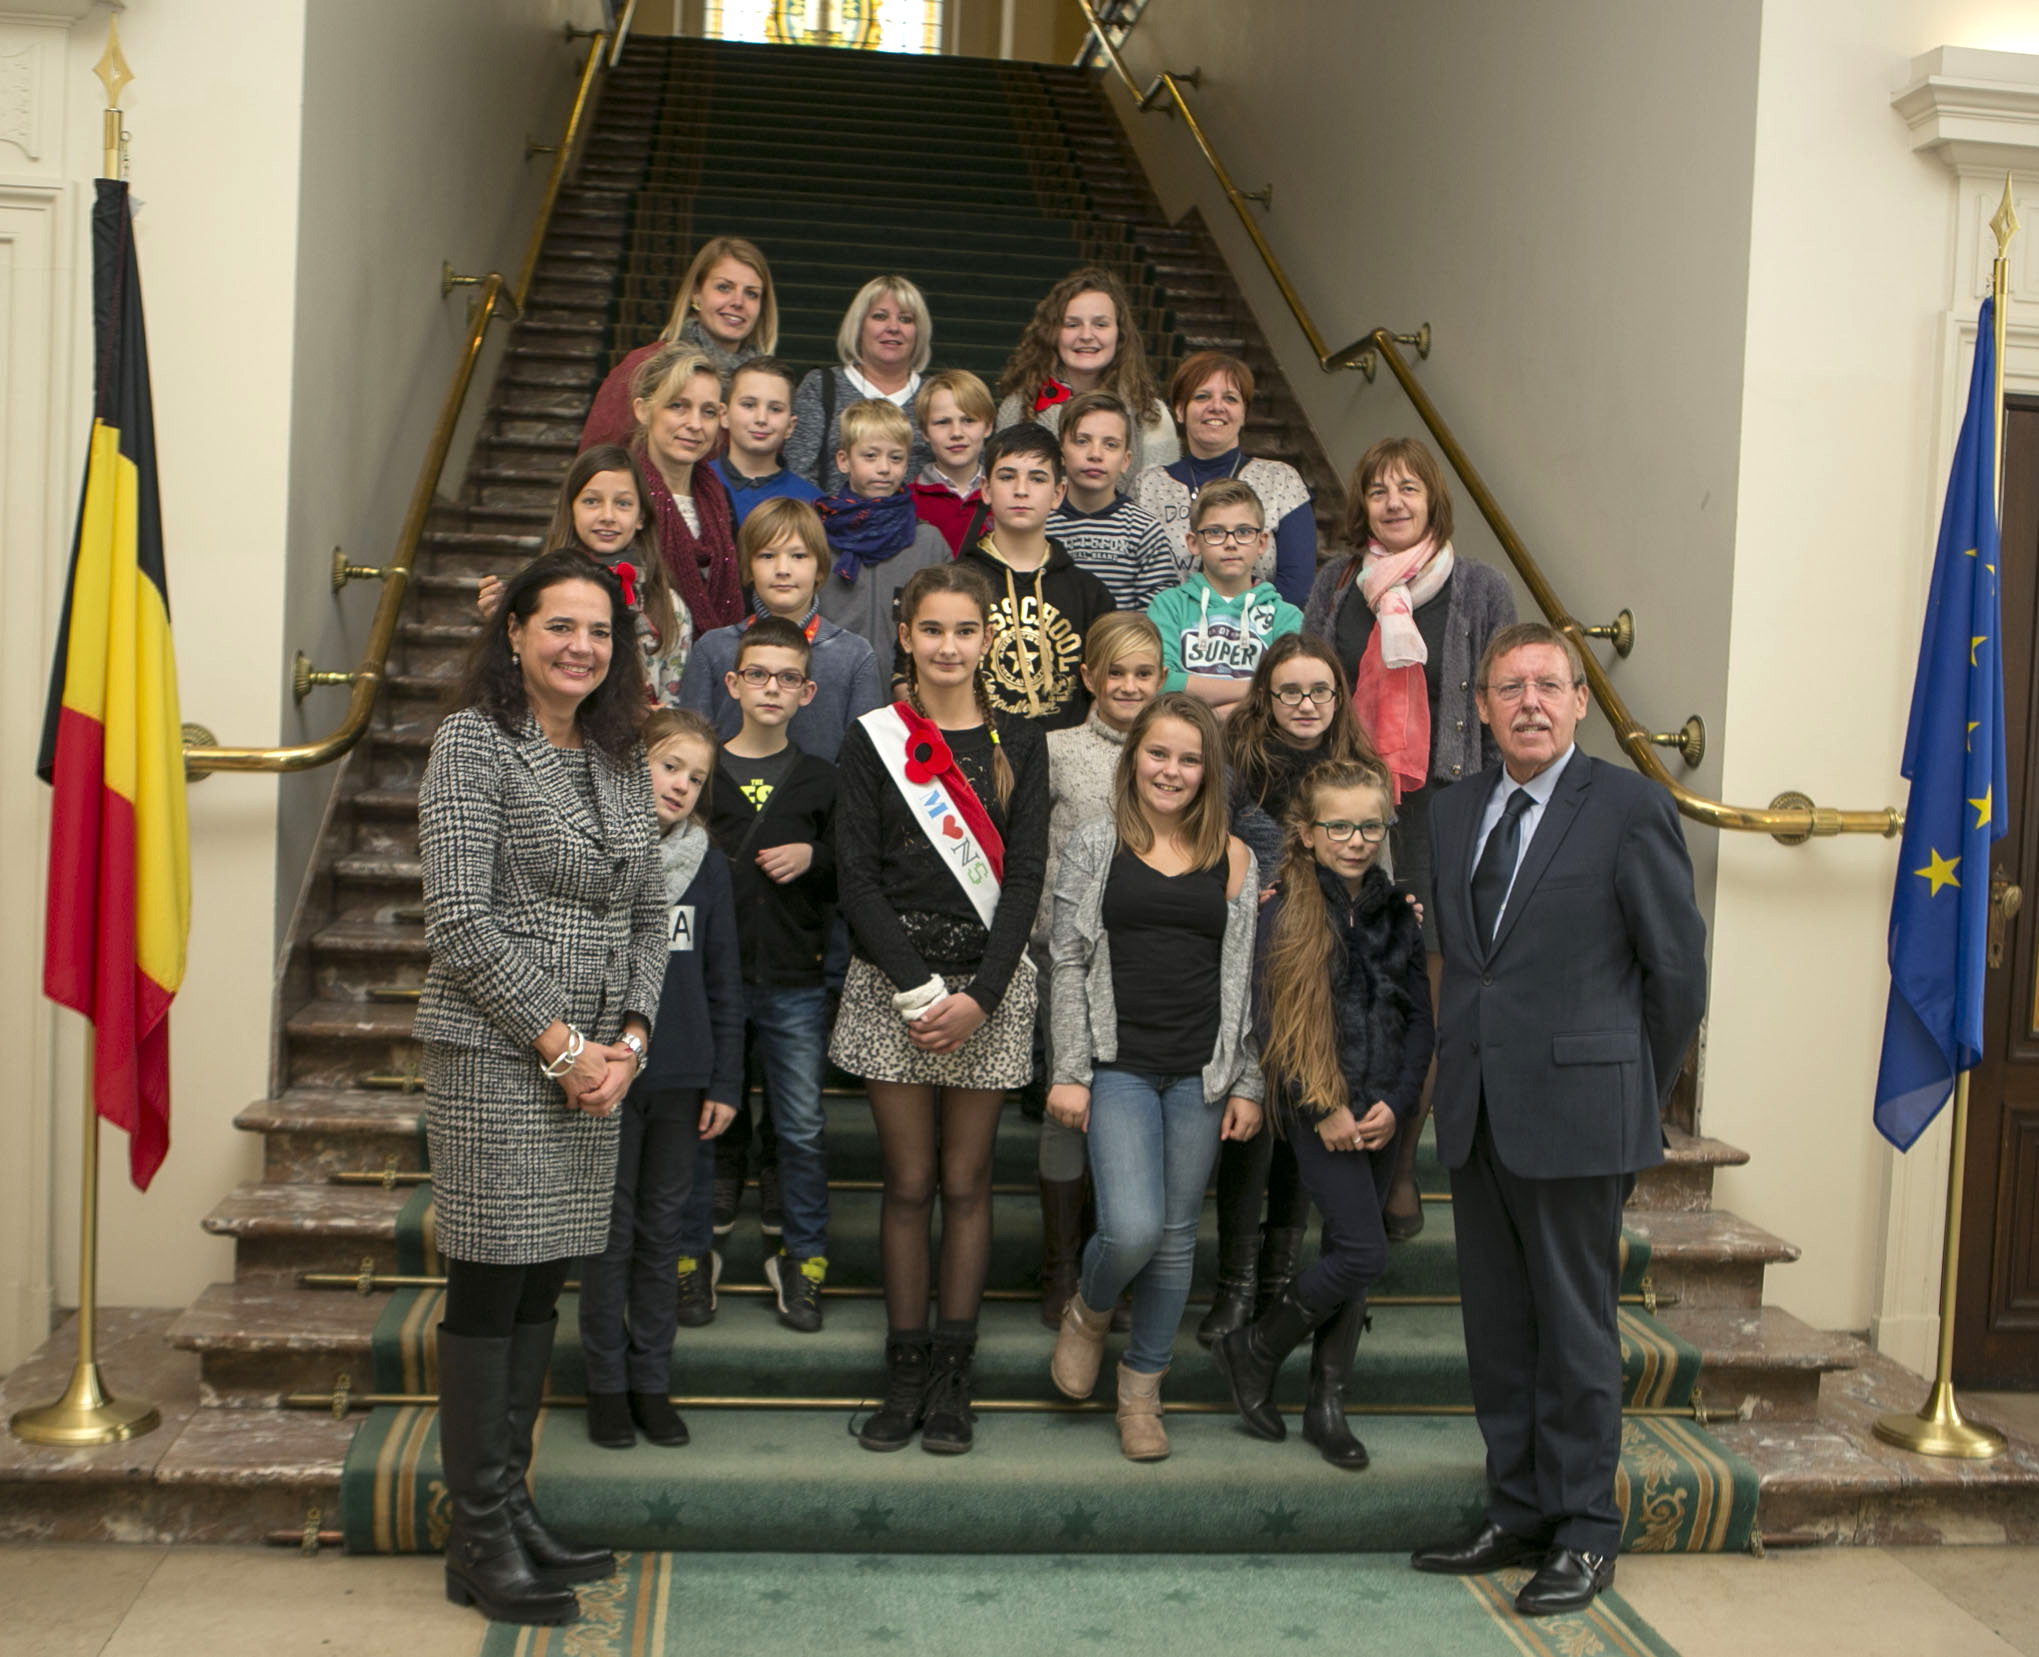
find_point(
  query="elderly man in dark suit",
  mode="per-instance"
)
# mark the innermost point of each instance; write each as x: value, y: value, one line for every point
x: 1574, y: 977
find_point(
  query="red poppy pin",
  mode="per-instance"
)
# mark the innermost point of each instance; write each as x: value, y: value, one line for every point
x: 1052, y: 392
x: 627, y: 574
x: 927, y: 756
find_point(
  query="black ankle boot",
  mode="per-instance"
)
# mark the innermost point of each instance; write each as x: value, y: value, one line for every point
x: 1250, y: 1359
x: 657, y: 1419
x: 486, y: 1565
x: 947, y: 1430
x: 1238, y: 1257
x: 555, y: 1563
x: 892, y: 1425
x: 1281, y: 1252
x: 1337, y: 1339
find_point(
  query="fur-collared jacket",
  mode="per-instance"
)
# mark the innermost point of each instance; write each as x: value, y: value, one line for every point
x: 1379, y: 987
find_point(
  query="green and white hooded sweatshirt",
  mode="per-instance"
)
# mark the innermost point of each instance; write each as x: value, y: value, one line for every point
x: 1215, y: 637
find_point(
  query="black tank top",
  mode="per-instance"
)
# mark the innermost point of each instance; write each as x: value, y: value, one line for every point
x: 1167, y: 938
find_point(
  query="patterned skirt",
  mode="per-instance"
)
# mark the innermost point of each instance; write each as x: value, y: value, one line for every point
x: 871, y: 1041
x: 517, y: 1177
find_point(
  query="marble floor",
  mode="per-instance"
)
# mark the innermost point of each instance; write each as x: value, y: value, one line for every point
x: 75, y: 1600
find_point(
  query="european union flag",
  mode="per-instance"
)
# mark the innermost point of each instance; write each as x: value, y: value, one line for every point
x: 1954, y: 756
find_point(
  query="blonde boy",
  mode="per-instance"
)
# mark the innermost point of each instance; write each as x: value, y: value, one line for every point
x: 875, y: 541
x: 955, y: 413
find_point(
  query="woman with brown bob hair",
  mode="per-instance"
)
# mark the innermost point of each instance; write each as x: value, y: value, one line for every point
x: 724, y: 308
x: 1209, y: 394
x: 1082, y: 338
x: 1408, y: 620
x: 1152, y: 1050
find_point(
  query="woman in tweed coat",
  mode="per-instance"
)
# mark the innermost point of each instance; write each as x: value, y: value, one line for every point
x: 545, y: 915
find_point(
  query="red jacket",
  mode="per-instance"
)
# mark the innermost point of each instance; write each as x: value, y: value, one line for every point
x: 949, y: 512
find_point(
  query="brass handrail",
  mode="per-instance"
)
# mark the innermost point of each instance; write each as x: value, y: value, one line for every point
x: 1791, y: 818
x: 495, y: 293
x: 1327, y: 359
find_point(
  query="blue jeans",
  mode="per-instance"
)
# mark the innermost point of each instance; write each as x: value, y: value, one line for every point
x: 791, y: 1029
x: 1152, y: 1142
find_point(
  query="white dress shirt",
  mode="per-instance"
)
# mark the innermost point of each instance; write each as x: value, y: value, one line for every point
x: 1539, y: 788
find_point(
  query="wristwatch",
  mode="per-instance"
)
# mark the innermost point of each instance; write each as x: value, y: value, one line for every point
x: 635, y: 1042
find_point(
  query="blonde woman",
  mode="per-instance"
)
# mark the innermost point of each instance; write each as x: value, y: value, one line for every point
x: 882, y: 349
x: 725, y: 309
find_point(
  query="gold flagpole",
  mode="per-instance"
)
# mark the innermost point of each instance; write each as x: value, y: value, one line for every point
x: 1938, y: 1428
x: 87, y: 1413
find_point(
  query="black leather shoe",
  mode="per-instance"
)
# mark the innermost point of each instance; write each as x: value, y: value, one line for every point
x: 1488, y: 1549
x: 1566, y: 1581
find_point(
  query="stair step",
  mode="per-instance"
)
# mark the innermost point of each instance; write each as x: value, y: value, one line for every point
x: 1760, y: 1360
x: 1711, y: 1259
x: 259, y: 1341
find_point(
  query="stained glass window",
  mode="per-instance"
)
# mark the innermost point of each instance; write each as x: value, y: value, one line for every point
x: 873, y: 25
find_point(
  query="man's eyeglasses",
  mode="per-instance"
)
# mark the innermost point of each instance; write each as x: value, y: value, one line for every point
x: 786, y: 678
x: 1372, y: 832
x: 1513, y: 690
x: 1293, y: 696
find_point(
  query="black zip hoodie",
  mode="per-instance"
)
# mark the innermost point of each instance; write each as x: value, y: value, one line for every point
x: 781, y: 930
x: 1039, y: 619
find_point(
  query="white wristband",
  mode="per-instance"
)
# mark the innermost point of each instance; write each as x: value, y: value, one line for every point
x: 910, y: 1004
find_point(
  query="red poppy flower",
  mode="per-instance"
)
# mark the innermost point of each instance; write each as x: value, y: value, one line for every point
x: 927, y: 755
x: 627, y: 575
x: 1052, y: 392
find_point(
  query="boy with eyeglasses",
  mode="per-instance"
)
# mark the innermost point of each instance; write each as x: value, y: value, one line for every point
x: 1216, y: 625
x: 771, y: 810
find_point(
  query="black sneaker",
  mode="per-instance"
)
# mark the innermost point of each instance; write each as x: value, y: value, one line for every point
x: 798, y: 1286
x: 771, y: 1217
x: 728, y: 1191
x: 697, y: 1289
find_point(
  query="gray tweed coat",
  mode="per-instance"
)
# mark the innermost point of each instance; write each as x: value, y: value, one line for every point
x: 543, y: 900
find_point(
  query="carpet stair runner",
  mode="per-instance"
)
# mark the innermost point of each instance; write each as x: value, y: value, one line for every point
x: 1018, y: 173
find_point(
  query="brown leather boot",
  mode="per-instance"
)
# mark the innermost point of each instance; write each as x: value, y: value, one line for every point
x: 1061, y: 1245
x: 1079, y: 1348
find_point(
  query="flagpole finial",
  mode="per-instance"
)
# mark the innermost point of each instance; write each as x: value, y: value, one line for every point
x: 114, y: 75
x: 2005, y: 222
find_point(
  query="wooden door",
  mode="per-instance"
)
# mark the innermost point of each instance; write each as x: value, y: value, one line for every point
x: 1996, y: 1325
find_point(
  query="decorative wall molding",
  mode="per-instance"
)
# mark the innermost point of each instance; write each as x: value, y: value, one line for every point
x: 20, y: 82
x: 1977, y: 110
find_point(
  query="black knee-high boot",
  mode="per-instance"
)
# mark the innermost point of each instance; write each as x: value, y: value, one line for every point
x: 557, y: 1564
x: 486, y: 1565
x: 1250, y: 1359
x: 1281, y: 1254
x: 1331, y: 1354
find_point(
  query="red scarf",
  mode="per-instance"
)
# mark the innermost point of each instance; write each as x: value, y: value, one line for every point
x: 928, y: 760
x: 702, y: 568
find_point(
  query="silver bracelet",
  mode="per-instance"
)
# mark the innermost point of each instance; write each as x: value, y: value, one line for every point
x: 567, y: 1057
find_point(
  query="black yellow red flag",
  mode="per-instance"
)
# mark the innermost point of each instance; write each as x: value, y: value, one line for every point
x: 120, y: 878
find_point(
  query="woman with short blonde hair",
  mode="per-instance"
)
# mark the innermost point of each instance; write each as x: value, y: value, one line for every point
x: 882, y: 349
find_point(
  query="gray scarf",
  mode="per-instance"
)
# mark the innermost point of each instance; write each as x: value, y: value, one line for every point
x: 680, y: 854
x: 725, y: 360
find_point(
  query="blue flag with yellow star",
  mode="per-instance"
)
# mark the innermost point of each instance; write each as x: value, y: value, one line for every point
x: 1954, y: 756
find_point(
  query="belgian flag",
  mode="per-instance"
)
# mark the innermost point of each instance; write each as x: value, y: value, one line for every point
x: 120, y: 876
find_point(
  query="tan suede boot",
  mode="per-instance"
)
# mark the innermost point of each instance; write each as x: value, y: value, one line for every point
x: 1142, y: 1437
x: 1079, y: 1348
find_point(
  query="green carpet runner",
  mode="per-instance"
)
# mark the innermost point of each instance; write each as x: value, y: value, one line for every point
x: 663, y: 1605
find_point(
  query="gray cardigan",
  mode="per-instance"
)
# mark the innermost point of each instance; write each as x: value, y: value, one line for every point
x: 1083, y: 1019
x: 1479, y: 607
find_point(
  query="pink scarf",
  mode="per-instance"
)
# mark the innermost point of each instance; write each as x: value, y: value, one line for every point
x: 1390, y: 697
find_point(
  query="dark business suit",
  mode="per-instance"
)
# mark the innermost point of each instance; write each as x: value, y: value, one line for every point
x: 1556, y: 1046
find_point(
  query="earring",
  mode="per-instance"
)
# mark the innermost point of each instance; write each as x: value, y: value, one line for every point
x: 516, y: 660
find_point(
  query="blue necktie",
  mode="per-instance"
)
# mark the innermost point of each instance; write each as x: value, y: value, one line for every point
x: 1497, y: 866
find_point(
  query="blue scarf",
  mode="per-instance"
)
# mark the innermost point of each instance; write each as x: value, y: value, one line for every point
x: 863, y: 532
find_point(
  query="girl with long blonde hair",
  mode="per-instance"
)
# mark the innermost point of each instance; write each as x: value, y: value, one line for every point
x: 1342, y: 1011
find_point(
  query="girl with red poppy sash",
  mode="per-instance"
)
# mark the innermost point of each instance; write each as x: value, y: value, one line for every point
x: 941, y: 844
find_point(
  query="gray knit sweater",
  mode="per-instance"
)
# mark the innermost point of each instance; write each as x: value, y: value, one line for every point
x: 1081, y: 764
x: 1479, y: 607
x: 1083, y: 1017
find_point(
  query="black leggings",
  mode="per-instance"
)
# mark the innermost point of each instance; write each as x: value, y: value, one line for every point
x: 919, y: 1159
x: 1247, y: 1168
x: 489, y: 1301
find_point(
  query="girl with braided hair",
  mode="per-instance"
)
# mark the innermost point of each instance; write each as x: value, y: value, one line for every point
x: 941, y: 839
